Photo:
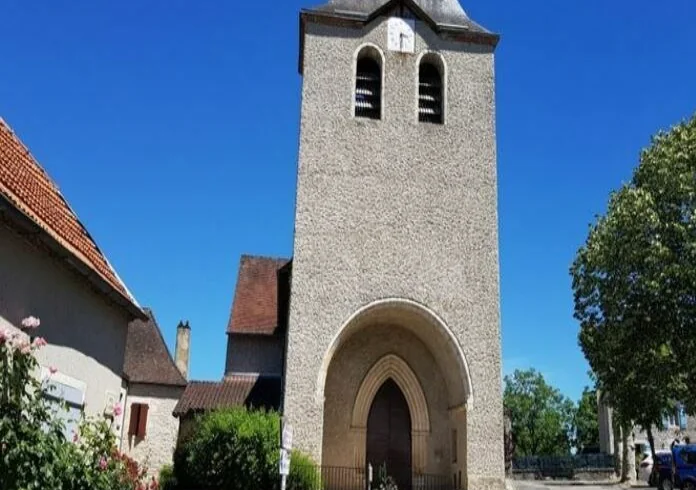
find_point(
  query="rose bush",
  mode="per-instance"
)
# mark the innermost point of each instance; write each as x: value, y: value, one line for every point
x: 34, y: 453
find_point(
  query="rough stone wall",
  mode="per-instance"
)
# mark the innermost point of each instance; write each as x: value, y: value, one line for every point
x: 86, y: 335
x: 261, y: 354
x: 397, y: 208
x: 157, y: 447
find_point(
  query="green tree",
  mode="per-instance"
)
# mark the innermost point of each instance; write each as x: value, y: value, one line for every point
x: 634, y: 284
x: 587, y: 421
x: 541, y: 417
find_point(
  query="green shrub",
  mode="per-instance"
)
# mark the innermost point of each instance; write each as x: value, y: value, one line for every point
x: 304, y: 473
x: 232, y: 449
x: 167, y: 480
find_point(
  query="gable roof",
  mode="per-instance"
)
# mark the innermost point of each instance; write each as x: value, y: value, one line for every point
x: 147, y: 359
x: 256, y: 296
x: 234, y: 391
x: 26, y: 186
x: 447, y: 14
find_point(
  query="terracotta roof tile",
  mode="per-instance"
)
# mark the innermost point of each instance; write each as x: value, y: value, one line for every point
x: 234, y: 391
x: 255, y: 305
x: 29, y: 188
x: 147, y: 358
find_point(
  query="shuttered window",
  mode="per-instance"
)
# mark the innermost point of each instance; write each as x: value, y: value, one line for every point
x: 368, y: 87
x: 429, y: 94
x: 138, y: 420
x: 66, y: 399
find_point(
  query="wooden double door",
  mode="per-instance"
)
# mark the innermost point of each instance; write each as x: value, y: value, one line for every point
x: 389, y: 435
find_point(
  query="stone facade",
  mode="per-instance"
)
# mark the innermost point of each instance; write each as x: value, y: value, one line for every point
x: 157, y: 447
x: 397, y: 219
x: 86, y: 334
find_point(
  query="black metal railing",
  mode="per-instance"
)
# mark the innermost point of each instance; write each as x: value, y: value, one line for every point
x: 562, y: 466
x: 341, y: 478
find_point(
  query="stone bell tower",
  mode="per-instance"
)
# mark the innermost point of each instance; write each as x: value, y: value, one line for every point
x: 396, y: 239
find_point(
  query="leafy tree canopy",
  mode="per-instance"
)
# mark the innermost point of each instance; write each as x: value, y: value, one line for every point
x: 587, y: 422
x: 541, y: 417
x: 634, y: 284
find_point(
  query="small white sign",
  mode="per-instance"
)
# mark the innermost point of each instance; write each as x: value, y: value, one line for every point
x: 286, y: 442
x: 401, y: 35
x: 284, y: 462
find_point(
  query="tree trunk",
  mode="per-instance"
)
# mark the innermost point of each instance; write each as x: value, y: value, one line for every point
x: 628, y: 457
x: 651, y: 441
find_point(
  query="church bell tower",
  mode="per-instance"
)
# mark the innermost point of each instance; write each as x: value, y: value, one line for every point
x: 396, y: 237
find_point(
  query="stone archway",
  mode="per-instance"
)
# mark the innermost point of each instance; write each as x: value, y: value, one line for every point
x: 394, y: 368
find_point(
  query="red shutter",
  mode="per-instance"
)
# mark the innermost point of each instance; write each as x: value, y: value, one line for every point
x: 142, y: 421
x: 133, y: 424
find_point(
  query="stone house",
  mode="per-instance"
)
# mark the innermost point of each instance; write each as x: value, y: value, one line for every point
x: 154, y: 384
x: 677, y: 426
x: 106, y: 349
x: 382, y: 332
x: 52, y: 269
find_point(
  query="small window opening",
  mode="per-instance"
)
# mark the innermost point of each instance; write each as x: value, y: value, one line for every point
x: 138, y: 420
x: 429, y: 94
x: 368, y: 88
x: 454, y: 445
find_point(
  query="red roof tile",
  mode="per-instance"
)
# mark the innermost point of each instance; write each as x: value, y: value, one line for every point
x: 29, y: 188
x: 234, y: 391
x: 255, y: 306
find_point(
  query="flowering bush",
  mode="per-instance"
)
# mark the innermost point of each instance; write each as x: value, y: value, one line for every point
x: 33, y: 451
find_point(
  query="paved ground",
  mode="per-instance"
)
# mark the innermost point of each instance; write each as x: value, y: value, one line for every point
x: 561, y: 485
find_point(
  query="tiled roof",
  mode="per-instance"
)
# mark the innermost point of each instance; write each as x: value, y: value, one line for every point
x: 27, y: 186
x: 235, y: 390
x: 255, y: 305
x: 147, y: 358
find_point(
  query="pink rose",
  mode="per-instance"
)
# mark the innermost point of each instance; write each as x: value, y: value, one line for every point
x: 3, y: 337
x: 75, y: 437
x: 24, y: 347
x: 118, y: 410
x: 31, y: 322
x: 40, y: 342
x: 52, y: 370
x: 102, y: 463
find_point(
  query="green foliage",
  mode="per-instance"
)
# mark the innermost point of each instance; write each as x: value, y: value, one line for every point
x: 587, y: 422
x: 33, y: 451
x: 541, y: 417
x: 167, y: 480
x: 231, y: 449
x: 383, y: 481
x: 304, y: 473
x: 634, y: 281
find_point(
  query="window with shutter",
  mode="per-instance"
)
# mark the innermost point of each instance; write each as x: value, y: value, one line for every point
x: 368, y: 85
x: 137, y: 425
x: 429, y: 93
x: 66, y: 396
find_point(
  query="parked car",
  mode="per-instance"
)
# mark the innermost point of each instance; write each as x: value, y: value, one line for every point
x: 657, y: 474
x: 684, y: 466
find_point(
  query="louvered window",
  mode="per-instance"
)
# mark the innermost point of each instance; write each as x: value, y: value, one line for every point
x: 429, y: 94
x: 368, y: 88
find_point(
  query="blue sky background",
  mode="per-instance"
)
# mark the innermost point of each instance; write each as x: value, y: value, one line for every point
x: 172, y: 129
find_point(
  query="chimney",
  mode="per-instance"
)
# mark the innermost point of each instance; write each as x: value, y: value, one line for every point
x: 183, y: 344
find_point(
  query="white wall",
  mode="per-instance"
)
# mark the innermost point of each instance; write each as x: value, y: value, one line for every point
x: 157, y: 447
x: 86, y: 334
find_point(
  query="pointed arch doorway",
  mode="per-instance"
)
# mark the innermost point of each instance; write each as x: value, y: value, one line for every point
x: 389, y: 434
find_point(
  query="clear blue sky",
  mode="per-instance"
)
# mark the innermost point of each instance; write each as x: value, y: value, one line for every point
x: 172, y: 129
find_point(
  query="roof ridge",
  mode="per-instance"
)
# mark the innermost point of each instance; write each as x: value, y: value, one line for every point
x: 49, y: 219
x: 151, y: 314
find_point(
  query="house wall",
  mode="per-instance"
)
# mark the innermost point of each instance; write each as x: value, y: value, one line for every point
x: 397, y: 209
x: 86, y: 335
x: 261, y: 354
x: 157, y: 447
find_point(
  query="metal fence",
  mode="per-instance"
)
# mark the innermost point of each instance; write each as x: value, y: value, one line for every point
x: 562, y: 466
x: 340, y: 478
